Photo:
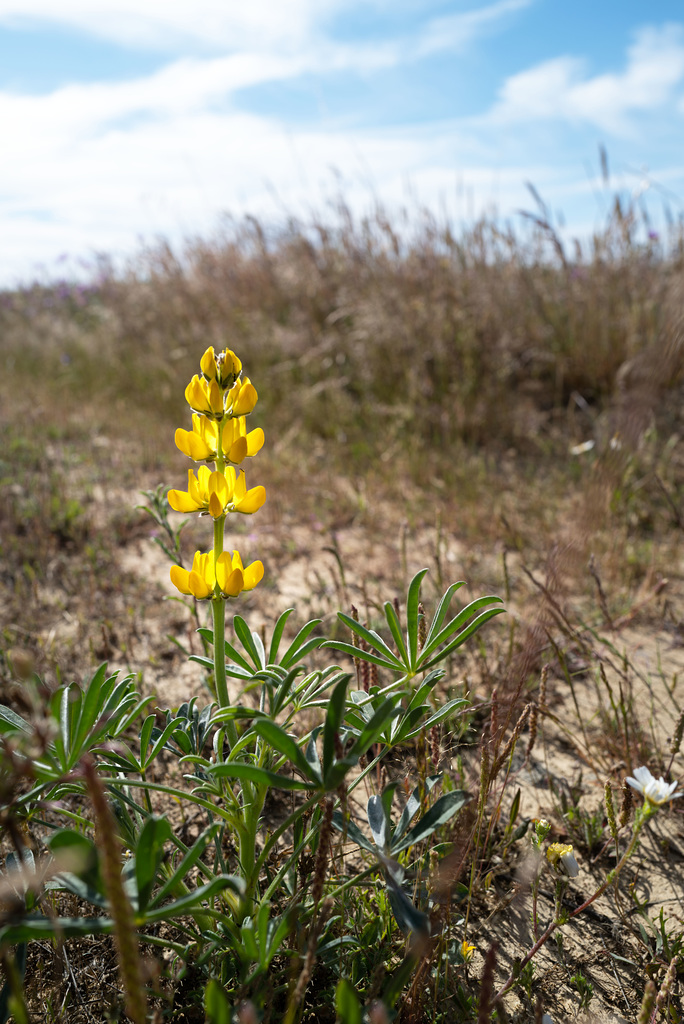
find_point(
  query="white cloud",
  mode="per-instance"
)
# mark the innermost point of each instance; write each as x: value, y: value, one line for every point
x: 559, y: 88
x: 456, y: 31
x: 161, y: 24
x: 97, y: 166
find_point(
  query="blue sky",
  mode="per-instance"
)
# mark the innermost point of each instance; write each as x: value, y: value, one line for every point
x: 126, y: 120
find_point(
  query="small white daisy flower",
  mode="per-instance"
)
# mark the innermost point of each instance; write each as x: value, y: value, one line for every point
x: 655, y: 791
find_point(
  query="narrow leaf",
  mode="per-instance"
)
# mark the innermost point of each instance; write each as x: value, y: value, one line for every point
x: 379, y: 825
x: 283, y: 743
x: 294, y: 651
x: 239, y: 770
x: 352, y: 832
x: 395, y: 629
x: 242, y: 631
x: 462, y: 637
x: 277, y: 635
x: 355, y: 652
x: 442, y: 811
x: 347, y: 1004
x: 333, y: 722
x: 372, y: 638
x: 442, y: 609
x: 148, y: 856
x: 412, y: 615
x: 456, y: 623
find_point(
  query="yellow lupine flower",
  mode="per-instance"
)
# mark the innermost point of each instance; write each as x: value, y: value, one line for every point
x: 201, y: 443
x: 230, y: 575
x: 241, y: 398
x: 237, y: 443
x: 197, y: 443
x: 217, y: 493
x: 199, y: 581
x: 233, y: 578
x: 196, y: 498
x: 205, y: 397
x: 224, y: 368
x: 229, y: 494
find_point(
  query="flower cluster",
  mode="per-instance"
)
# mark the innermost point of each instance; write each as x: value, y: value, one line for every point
x: 220, y: 399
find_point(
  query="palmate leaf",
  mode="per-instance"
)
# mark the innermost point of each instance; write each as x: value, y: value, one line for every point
x: 408, y: 659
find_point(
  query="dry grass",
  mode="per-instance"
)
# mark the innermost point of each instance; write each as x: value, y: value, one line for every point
x: 421, y: 394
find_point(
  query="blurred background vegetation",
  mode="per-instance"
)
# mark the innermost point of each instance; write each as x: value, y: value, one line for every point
x: 433, y: 369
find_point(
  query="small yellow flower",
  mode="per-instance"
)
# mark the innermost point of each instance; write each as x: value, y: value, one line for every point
x: 205, y: 397
x: 201, y: 443
x: 224, y: 368
x: 196, y: 498
x: 231, y: 576
x: 467, y: 951
x: 217, y: 493
x: 241, y: 398
x: 199, y: 581
x: 237, y: 443
x: 561, y: 857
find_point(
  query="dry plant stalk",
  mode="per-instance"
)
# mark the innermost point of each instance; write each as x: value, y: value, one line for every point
x: 125, y: 937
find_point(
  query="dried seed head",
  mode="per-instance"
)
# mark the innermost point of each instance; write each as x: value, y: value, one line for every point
x: 677, y: 737
x: 627, y: 804
x: 610, y: 810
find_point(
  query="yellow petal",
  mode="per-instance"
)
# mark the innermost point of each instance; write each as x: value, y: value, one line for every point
x: 204, y: 565
x: 199, y: 449
x: 246, y: 400
x: 230, y: 367
x: 255, y: 441
x: 215, y: 398
x: 179, y: 578
x: 215, y: 505
x: 234, y: 584
x: 240, y: 488
x: 196, y: 396
x: 208, y: 364
x: 238, y: 450
x: 180, y: 501
x: 199, y: 586
x: 252, y: 501
x: 195, y: 491
x: 253, y: 574
x: 220, y: 484
x: 182, y: 439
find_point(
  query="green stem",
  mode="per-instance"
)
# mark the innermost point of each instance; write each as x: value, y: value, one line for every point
x: 218, y: 612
